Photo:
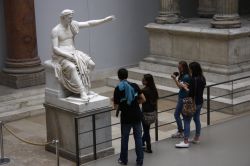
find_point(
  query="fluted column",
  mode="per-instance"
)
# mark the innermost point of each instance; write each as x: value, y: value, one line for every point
x: 207, y: 8
x: 226, y: 14
x: 169, y: 12
x: 22, y: 65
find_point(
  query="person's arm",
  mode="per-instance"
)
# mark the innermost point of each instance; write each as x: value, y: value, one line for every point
x: 181, y: 85
x: 93, y: 23
x: 141, y: 99
x: 56, y: 49
x: 178, y: 84
x: 115, y: 99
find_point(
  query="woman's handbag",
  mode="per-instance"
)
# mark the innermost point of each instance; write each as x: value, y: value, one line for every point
x: 189, y: 106
x: 149, y: 117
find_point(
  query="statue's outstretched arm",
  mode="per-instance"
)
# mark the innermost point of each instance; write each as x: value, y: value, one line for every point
x: 56, y: 49
x: 92, y: 23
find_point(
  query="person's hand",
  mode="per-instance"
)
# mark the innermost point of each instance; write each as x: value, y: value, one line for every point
x: 110, y: 18
x: 70, y: 57
x: 173, y: 77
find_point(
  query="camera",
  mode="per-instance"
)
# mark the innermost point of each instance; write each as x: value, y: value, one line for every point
x: 176, y: 74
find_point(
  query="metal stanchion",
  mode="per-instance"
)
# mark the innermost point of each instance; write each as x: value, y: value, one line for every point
x: 56, y: 142
x: 2, y: 160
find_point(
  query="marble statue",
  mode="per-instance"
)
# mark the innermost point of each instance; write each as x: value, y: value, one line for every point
x: 72, y: 67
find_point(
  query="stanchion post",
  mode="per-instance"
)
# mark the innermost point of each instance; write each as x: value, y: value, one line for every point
x: 156, y: 127
x: 2, y: 160
x: 56, y: 142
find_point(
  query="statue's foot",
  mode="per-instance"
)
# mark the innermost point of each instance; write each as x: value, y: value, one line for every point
x: 92, y: 93
x: 84, y: 97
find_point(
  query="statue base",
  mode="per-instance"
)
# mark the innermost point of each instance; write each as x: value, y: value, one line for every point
x: 62, y: 107
x: 168, y: 19
x: 61, y: 125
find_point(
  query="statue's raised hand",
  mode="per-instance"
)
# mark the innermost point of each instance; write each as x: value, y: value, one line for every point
x: 110, y: 18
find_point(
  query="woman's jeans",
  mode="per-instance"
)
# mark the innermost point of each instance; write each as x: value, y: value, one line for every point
x: 197, y: 120
x: 146, y: 136
x: 187, y: 121
x: 177, y: 114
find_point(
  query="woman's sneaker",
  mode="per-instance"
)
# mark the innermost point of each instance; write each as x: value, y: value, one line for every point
x: 121, y: 162
x: 195, y: 141
x: 182, y: 145
x: 147, y: 150
x: 178, y: 135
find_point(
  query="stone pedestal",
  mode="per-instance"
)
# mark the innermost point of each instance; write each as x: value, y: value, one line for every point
x: 22, y: 65
x: 61, y: 109
x: 223, y: 53
x: 169, y: 12
x: 226, y: 14
x: 207, y: 8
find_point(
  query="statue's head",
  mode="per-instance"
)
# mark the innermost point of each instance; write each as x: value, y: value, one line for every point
x: 67, y: 15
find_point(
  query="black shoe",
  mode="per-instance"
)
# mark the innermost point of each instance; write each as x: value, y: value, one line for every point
x: 121, y: 162
x: 148, y: 150
x: 139, y: 164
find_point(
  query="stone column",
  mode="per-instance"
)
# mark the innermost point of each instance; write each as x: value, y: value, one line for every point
x: 169, y: 12
x: 226, y: 14
x: 22, y: 65
x: 207, y: 8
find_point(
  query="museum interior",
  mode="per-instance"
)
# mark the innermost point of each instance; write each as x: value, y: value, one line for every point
x: 59, y: 63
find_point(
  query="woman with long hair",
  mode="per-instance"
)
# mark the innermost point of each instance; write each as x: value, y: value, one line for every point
x: 196, y: 89
x: 151, y: 95
x: 183, y: 79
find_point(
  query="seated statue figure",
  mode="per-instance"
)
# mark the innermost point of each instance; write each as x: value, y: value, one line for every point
x: 72, y: 67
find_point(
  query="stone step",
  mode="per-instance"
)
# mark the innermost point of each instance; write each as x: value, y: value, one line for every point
x: 167, y: 66
x: 162, y: 66
x: 20, y: 103
x: 166, y: 80
x: 21, y: 113
x: 22, y: 93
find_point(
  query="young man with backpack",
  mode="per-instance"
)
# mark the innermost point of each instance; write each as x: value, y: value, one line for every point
x: 127, y: 97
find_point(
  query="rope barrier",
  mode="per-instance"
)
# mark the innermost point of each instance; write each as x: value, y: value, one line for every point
x: 6, y: 160
x: 26, y: 141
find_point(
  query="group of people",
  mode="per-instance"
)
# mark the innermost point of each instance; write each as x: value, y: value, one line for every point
x: 128, y: 97
x: 191, y: 83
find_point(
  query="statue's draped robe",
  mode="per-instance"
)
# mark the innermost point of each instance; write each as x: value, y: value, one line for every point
x: 64, y: 68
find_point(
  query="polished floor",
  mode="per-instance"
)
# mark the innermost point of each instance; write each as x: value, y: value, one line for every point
x: 225, y: 144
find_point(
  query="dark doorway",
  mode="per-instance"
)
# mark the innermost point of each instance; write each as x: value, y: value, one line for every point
x: 189, y: 8
x: 244, y: 6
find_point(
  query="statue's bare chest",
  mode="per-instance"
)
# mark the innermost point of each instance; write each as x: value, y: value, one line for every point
x: 65, y: 34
